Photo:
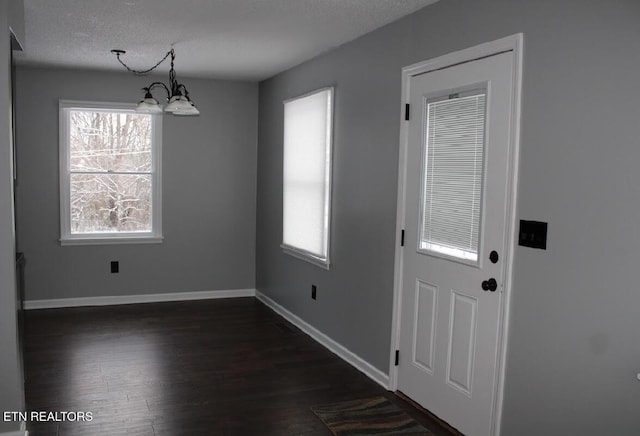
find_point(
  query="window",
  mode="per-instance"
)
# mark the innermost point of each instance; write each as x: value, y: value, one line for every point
x: 307, y: 176
x: 109, y: 174
x: 453, y: 175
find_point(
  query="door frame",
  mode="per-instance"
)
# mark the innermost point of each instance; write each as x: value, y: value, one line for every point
x: 512, y: 43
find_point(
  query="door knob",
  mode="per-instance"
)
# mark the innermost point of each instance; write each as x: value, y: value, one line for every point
x: 490, y: 285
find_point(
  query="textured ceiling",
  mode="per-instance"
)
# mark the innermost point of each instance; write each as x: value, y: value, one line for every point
x: 239, y: 39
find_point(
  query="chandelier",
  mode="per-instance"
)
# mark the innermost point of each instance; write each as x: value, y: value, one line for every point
x: 178, y: 99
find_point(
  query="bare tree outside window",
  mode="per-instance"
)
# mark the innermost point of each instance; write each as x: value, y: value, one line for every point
x: 111, y: 172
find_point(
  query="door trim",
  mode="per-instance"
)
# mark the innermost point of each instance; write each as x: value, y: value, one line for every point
x: 512, y: 43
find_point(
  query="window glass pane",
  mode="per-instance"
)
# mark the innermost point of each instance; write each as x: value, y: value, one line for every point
x: 110, y: 169
x: 110, y: 203
x: 307, y: 163
x: 453, y: 176
x: 109, y: 141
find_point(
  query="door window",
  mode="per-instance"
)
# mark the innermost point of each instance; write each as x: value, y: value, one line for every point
x: 451, y: 203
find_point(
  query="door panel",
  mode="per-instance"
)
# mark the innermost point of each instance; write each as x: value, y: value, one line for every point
x: 456, y: 182
x: 462, y: 341
x: 425, y: 325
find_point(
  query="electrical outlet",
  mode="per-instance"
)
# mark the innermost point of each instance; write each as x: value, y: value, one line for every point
x: 313, y: 292
x: 115, y: 267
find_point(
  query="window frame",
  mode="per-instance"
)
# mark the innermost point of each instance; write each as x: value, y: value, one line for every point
x: 105, y: 238
x: 299, y: 253
x: 462, y: 92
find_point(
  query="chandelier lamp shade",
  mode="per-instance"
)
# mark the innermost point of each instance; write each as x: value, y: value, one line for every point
x: 178, y: 100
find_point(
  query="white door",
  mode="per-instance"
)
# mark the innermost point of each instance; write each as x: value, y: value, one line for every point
x: 454, y: 253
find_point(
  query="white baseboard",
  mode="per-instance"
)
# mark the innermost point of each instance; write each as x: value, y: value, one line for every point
x: 354, y: 360
x: 133, y: 299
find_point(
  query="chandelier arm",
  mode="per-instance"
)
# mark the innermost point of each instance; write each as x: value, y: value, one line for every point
x: 147, y: 71
x: 155, y: 85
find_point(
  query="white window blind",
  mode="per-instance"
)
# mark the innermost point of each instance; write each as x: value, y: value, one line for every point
x: 453, y: 175
x: 307, y: 176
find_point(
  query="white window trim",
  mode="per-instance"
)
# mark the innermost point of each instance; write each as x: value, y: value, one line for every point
x: 66, y: 237
x: 297, y: 252
x: 306, y: 256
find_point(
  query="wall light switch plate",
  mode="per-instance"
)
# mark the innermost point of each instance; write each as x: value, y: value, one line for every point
x: 533, y: 234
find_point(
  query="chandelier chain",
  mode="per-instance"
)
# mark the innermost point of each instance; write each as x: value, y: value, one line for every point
x: 147, y: 71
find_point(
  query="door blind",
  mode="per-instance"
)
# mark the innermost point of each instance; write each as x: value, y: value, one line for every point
x: 453, y: 175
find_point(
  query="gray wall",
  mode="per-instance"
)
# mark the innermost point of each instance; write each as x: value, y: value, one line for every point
x: 574, y: 345
x: 208, y: 188
x: 11, y: 388
x: 16, y: 21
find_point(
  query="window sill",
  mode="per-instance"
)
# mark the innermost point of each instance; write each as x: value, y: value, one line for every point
x: 112, y: 240
x: 307, y: 257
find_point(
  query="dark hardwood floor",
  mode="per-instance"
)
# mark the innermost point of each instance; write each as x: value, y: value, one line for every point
x: 216, y: 367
